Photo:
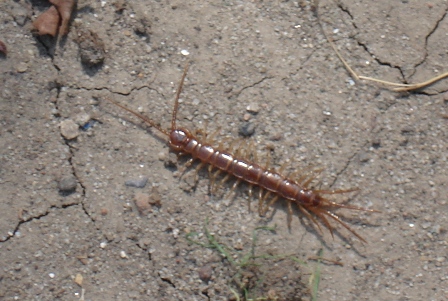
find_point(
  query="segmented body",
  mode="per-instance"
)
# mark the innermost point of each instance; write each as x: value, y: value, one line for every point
x: 309, y: 201
x: 250, y: 172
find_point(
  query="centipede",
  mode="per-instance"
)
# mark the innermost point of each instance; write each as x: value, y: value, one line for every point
x: 273, y: 184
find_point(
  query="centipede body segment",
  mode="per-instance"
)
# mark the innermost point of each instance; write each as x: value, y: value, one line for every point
x: 276, y: 186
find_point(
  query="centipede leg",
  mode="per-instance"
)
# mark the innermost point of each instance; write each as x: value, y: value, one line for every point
x: 223, y: 180
x: 337, y: 218
x: 289, y: 216
x: 232, y: 190
x: 336, y: 191
x: 189, y: 162
x: 272, y: 202
x: 321, y: 215
x: 251, y: 187
x: 308, y: 215
x: 262, y: 198
x: 213, y: 176
x: 312, y: 177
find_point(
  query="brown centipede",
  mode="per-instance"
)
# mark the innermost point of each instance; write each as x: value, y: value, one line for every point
x: 309, y: 201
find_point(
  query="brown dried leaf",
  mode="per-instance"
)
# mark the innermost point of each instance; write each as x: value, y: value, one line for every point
x: 65, y: 8
x: 47, y: 22
x: 3, y: 48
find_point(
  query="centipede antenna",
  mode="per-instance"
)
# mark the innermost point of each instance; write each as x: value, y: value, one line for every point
x: 140, y: 116
x: 176, y: 102
x: 336, y: 205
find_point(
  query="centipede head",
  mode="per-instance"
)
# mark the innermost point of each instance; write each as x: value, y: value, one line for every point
x: 179, y: 138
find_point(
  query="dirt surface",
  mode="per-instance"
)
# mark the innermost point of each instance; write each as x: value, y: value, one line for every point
x: 70, y: 227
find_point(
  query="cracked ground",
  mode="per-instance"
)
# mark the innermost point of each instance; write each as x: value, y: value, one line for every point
x: 259, y: 65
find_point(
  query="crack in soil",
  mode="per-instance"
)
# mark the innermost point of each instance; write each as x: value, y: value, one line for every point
x: 237, y: 93
x: 430, y: 33
x: 49, y: 210
x: 364, y: 46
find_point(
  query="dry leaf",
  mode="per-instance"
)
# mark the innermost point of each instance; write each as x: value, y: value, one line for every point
x: 3, y: 48
x: 48, y: 22
x: 64, y: 8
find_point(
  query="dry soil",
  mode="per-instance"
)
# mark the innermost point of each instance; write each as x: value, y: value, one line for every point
x: 70, y: 227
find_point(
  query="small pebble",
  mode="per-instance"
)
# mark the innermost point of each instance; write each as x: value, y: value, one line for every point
x: 155, y: 198
x: 67, y: 184
x: 78, y: 279
x: 171, y: 161
x: 205, y: 273
x: 253, y: 108
x: 123, y: 254
x: 436, y: 229
x: 138, y: 183
x: 22, y: 67
x: 51, y: 275
x: 82, y: 119
x: 238, y: 245
x: 363, y: 157
x: 103, y: 245
x: 69, y: 129
x: 162, y: 156
x: 142, y: 201
x: 91, y: 46
x: 376, y: 143
x: 407, y: 130
x: 247, y: 129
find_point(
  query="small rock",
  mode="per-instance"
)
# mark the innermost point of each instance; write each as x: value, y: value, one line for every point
x: 376, y: 143
x: 82, y: 119
x: 189, y: 181
x: 22, y: 67
x: 78, y: 279
x: 247, y: 129
x: 253, y: 108
x: 67, y: 184
x: 91, y: 46
x: 155, y: 198
x: 238, y: 245
x: 138, y: 183
x: 144, y: 243
x: 162, y: 156
x: 363, y: 157
x: 205, y: 273
x: 142, y: 201
x: 171, y: 161
x: 69, y: 129
x: 407, y: 130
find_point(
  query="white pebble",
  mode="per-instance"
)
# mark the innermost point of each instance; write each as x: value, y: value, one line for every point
x: 184, y: 52
x: 103, y: 245
x: 51, y: 275
x: 123, y: 254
